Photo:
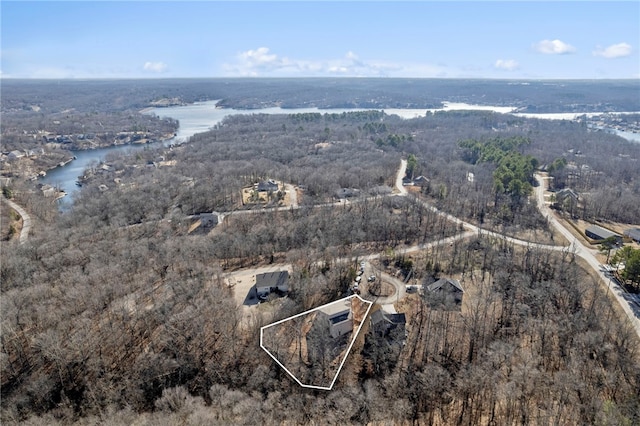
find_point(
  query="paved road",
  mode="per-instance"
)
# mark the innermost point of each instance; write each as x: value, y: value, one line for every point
x: 26, y: 220
x: 628, y: 302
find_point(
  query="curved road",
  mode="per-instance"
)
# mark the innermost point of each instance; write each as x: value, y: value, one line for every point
x: 26, y: 220
x: 625, y: 300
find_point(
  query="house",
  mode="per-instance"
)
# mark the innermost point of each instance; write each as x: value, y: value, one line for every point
x: 268, y: 186
x: 47, y: 190
x: 270, y: 282
x: 421, y: 181
x: 388, y: 325
x: 633, y: 233
x: 446, y: 293
x: 337, y: 317
x: 14, y: 155
x: 566, y: 194
x: 205, y: 221
x: 210, y: 220
x: 596, y: 232
x: 347, y: 192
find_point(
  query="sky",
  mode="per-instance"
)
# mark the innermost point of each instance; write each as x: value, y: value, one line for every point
x: 417, y: 39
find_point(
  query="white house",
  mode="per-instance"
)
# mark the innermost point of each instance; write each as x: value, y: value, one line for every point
x: 338, y: 318
x: 270, y: 282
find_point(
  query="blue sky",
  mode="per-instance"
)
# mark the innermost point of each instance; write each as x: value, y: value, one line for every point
x: 424, y: 39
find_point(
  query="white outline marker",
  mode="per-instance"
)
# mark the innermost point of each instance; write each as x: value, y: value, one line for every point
x: 353, y: 340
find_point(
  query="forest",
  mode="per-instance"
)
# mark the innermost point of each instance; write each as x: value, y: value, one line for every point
x: 114, y: 312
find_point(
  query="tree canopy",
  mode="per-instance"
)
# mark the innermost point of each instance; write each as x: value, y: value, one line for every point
x: 514, y: 171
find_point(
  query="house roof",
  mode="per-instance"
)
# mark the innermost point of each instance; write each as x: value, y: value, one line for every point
x: 633, y: 233
x: 447, y: 284
x: 381, y: 316
x: 272, y: 279
x: 336, y: 308
x: 566, y: 192
x: 269, y: 185
x: 600, y: 232
x: 347, y: 192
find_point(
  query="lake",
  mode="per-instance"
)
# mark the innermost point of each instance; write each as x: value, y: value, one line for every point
x: 202, y: 116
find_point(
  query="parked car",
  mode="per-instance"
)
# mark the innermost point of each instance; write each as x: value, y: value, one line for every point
x: 371, y: 278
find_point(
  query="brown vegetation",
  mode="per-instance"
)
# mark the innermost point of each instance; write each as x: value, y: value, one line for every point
x: 113, y: 313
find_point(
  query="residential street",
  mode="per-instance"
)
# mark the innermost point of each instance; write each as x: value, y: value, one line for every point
x: 628, y: 302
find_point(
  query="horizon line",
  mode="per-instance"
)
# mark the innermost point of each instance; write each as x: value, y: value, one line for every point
x: 2, y: 78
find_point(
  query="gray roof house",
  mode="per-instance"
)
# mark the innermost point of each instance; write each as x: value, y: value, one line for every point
x: 633, y: 233
x: 209, y: 220
x: 565, y: 193
x: 384, y: 324
x: 268, y: 186
x: 347, y: 192
x: 271, y: 282
x: 598, y: 233
x: 16, y: 154
x: 445, y: 294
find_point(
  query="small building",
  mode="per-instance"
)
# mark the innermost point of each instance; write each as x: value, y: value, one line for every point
x: 270, y: 282
x: 445, y: 294
x: 338, y: 318
x: 598, y: 233
x: 268, y: 186
x: 633, y: 233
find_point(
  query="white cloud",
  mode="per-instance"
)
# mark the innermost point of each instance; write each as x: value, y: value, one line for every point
x: 506, y: 64
x: 614, y: 51
x: 262, y: 62
x: 553, y: 47
x: 155, y: 66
